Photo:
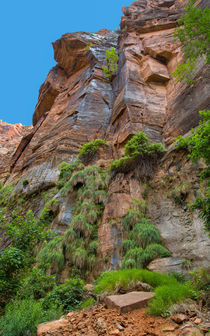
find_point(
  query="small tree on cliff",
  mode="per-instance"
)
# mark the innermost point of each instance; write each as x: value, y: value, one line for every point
x: 194, y: 35
x: 111, y: 60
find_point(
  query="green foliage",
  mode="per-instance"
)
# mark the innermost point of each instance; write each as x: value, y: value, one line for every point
x: 166, y: 295
x: 185, y: 71
x: 203, y: 205
x: 88, y: 150
x: 179, y: 193
x: 49, y: 212
x: 111, y: 61
x: 22, y: 317
x: 112, y: 281
x: 133, y: 258
x: 81, y: 226
x: 145, y: 234
x: 93, y: 247
x: 124, y: 164
x: 139, y: 146
x: 5, y: 193
x: 139, y: 153
x: 25, y: 182
x: 66, y: 171
x: 167, y: 289
x: 198, y: 142
x: 87, y: 47
x: 201, y: 279
x: 143, y: 239
x: 139, y: 205
x: 154, y: 251
x: 198, y: 147
x: 89, y: 302
x: 36, y: 284
x: 139, y: 258
x: 128, y: 244
x: 131, y: 219
x: 12, y: 262
x: 68, y: 295
x: 79, y: 246
x: 25, y: 232
x: 79, y: 257
x: 52, y: 255
x: 12, y: 259
x: 194, y: 35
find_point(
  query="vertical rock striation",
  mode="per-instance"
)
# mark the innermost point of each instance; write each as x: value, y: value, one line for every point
x: 77, y: 104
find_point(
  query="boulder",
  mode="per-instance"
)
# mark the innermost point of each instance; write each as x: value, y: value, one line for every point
x: 128, y: 302
x: 166, y: 265
x: 48, y: 327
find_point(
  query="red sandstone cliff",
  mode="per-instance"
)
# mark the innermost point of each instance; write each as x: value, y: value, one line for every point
x: 77, y: 104
x: 11, y: 136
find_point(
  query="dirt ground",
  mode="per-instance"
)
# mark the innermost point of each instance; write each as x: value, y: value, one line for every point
x: 97, y: 320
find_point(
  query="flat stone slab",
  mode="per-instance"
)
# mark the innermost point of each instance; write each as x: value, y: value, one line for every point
x: 128, y: 302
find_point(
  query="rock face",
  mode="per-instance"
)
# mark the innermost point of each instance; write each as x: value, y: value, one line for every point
x: 11, y: 136
x: 77, y: 104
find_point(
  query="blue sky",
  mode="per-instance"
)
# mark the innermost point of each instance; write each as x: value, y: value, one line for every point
x: 27, y: 29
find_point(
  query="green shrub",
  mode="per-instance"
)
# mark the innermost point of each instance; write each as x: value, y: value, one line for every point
x: 194, y: 36
x: 135, y: 257
x: 52, y: 255
x: 145, y: 234
x: 140, y: 154
x: 66, y: 171
x: 25, y: 232
x: 202, y: 203
x: 93, y: 247
x: 201, y: 279
x: 111, y: 60
x: 87, y: 47
x: 166, y: 295
x: 88, y: 150
x: 198, y: 147
x: 128, y: 244
x: 68, y: 295
x: 12, y: 262
x: 69, y: 236
x: 49, y: 212
x: 138, y: 258
x: 111, y: 281
x: 25, y: 182
x: 81, y: 226
x: 4, y: 194
x: 140, y: 145
x: 23, y: 317
x: 79, y: 257
x: 122, y: 165
x: 36, y: 285
x: 167, y: 289
x: 91, y: 263
x: 132, y: 218
x: 139, y: 205
x: 89, y: 302
x: 154, y: 251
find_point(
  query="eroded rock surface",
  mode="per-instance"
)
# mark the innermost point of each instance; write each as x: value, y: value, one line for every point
x: 77, y: 104
x: 10, y: 137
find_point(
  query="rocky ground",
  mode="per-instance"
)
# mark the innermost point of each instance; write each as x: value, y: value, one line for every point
x: 97, y: 321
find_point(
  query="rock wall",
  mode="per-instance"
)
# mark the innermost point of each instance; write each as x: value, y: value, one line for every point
x: 77, y: 104
x: 11, y: 136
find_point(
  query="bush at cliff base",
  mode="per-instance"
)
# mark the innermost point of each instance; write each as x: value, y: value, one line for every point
x: 23, y: 317
x: 167, y: 289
